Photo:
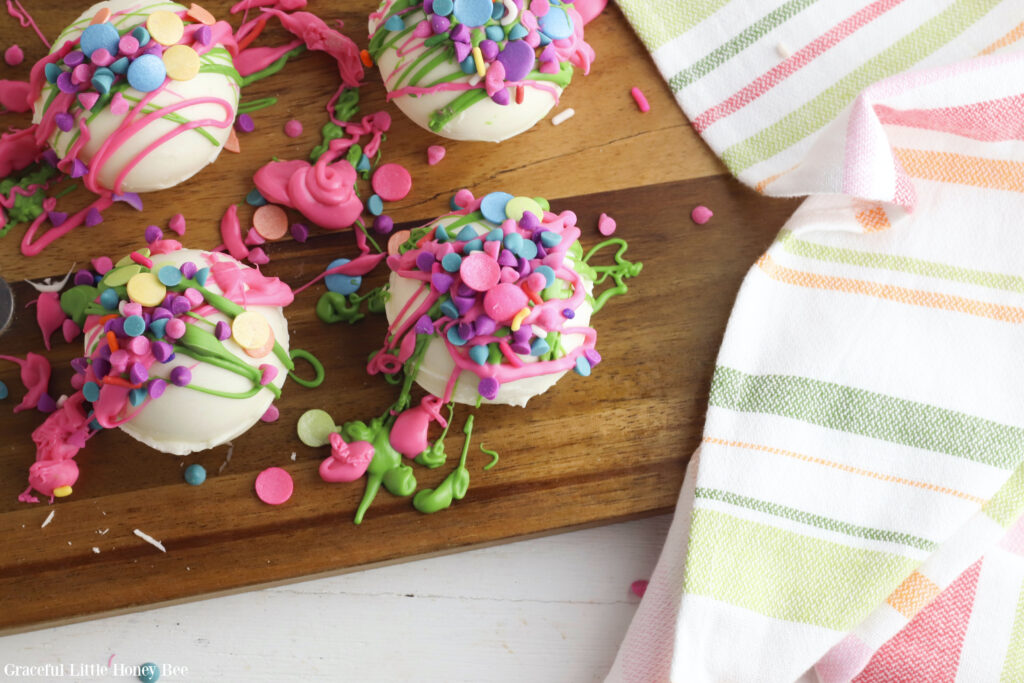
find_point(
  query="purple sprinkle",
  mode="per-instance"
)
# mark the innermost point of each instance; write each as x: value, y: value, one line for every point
x: 180, y: 306
x: 245, y: 123
x: 460, y: 34
x: 78, y: 168
x: 46, y: 404
x: 382, y: 224
x: 188, y: 270
x: 428, y: 6
x: 222, y: 331
x: 160, y: 313
x: 104, y: 351
x: 93, y: 217
x: 181, y: 376
x: 156, y: 388
x: 168, y: 298
x: 517, y: 58
x: 507, y: 258
x: 130, y: 198
x: 64, y: 121
x: 83, y: 277
x: 138, y: 373
x: 441, y: 281
x: 153, y: 48
x: 462, y: 50
x: 204, y: 35
x: 161, y: 350
x: 542, y: 251
x: 488, y: 388
x: 523, y: 267
x: 79, y: 365
x: 300, y: 233
x: 100, y: 367
x: 117, y: 327
x: 521, y: 347
x: 568, y: 313
x: 424, y: 260
x: 465, y: 290
x: 65, y: 83
x: 548, y: 54
x: 523, y: 334
x: 57, y: 218
x: 529, y: 221
x: 488, y: 50
x: 439, y: 24
x: 50, y: 157
x: 74, y: 58
x: 484, y: 325
x: 466, y: 330
x: 424, y: 325
x: 501, y: 97
x: 592, y: 356
x: 463, y: 303
x: 153, y: 233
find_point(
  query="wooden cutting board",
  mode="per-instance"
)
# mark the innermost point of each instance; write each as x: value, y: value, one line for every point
x: 591, y: 451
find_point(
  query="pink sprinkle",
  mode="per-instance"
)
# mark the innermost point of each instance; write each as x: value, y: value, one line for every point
x: 88, y: 99
x: 102, y: 264
x: 267, y: 374
x: 71, y: 330
x: 293, y: 128
x: 606, y: 225
x: 274, y: 486
x: 118, y: 104
x: 14, y: 55
x: 141, y: 260
x: 641, y: 100
x: 435, y: 153
x: 258, y: 257
x: 701, y: 214
x: 253, y: 238
x: 177, y: 223
x: 639, y: 587
x: 271, y: 415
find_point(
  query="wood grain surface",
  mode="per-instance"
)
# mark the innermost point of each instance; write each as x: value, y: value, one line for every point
x: 591, y: 451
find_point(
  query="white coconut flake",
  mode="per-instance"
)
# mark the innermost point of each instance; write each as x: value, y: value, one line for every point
x: 563, y: 116
x: 150, y: 540
x: 49, y: 518
x: 96, y: 550
x: 102, y: 532
x: 47, y: 286
x: 227, y: 458
x: 293, y: 456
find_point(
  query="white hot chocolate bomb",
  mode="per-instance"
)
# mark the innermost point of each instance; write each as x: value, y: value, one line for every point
x: 183, y: 419
x: 139, y: 140
x: 475, y: 69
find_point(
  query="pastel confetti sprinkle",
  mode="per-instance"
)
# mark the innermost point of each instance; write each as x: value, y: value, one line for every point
x: 641, y: 99
x: 270, y: 221
x: 701, y: 214
x: 274, y: 486
x: 181, y: 62
x: 164, y: 27
x: 293, y: 128
x: 392, y: 182
x: 606, y: 225
x: 435, y: 153
x: 14, y: 55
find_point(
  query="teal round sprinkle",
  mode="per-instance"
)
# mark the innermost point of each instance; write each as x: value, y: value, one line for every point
x: 149, y: 672
x: 539, y: 347
x: 451, y: 202
x: 202, y: 275
x: 91, y: 391
x: 549, y: 274
x: 454, y: 338
x: 518, y: 31
x: 495, y: 33
x: 544, y: 38
x: 528, y: 250
x: 109, y: 299
x: 134, y: 325
x: 467, y: 234
x: 254, y: 198
x: 195, y: 474
x: 468, y: 66
x: 120, y: 66
x: 451, y: 262
x: 141, y: 34
x: 495, y: 235
x: 583, y: 366
x: 363, y: 164
x: 473, y: 245
x: 169, y: 275
x: 52, y: 71
x: 137, y: 396
x: 375, y: 205
x: 441, y: 235
x: 550, y: 239
x: 395, y: 23
x: 497, y: 13
x: 4, y: 392
x: 158, y: 327
x: 448, y: 309
x: 513, y: 242
x: 95, y: 425
x: 443, y: 7
x: 479, y: 354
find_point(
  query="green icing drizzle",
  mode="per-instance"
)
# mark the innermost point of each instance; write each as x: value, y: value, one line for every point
x: 453, y: 487
x: 493, y: 454
x: 276, y: 66
x: 619, y: 273
x: 256, y: 105
x: 345, y: 108
x: 318, y: 368
x: 27, y: 207
x: 333, y: 307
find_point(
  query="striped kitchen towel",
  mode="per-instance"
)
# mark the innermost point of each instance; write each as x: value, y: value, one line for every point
x: 856, y: 510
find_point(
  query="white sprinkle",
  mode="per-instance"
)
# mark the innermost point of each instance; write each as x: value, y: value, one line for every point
x: 227, y: 458
x: 96, y: 550
x: 102, y: 532
x: 563, y: 116
x: 188, y: 569
x: 49, y: 518
x: 150, y: 540
x: 475, y: 79
x: 56, y: 286
x: 293, y: 456
x: 69, y: 542
x: 783, y: 50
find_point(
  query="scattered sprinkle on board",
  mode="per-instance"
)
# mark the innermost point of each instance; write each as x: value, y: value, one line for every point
x: 49, y: 518
x: 563, y: 116
x: 150, y: 540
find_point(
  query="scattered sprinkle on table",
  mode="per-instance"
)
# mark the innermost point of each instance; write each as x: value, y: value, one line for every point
x: 701, y: 214
x: 563, y: 116
x: 4, y: 392
x: 14, y: 55
x: 195, y: 474
x: 435, y: 153
x: 49, y: 518
x: 641, y: 100
x: 245, y: 123
x: 293, y: 128
x: 270, y: 221
x: 150, y: 540
x: 274, y: 486
x: 783, y: 50
x: 392, y: 182
x: 606, y: 225
x: 639, y: 587
x: 149, y: 672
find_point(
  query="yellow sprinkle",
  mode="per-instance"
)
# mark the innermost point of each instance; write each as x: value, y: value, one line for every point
x: 62, y: 491
x: 146, y: 289
x: 478, y: 57
x: 250, y: 330
x: 518, y: 320
x: 517, y: 206
x: 181, y: 62
x: 164, y: 27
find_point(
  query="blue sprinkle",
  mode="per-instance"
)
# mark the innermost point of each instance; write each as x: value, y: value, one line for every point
x: 448, y: 309
x: 548, y: 273
x: 550, y: 239
x: 493, y: 206
x: 342, y: 284
x: 443, y: 7
x: 395, y: 23
x: 479, y: 354
x: 120, y: 66
x: 195, y: 474
x: 254, y: 198
x: 134, y: 325
x: 451, y: 262
x: 495, y: 235
x: 375, y: 205
x: 158, y: 326
x: 451, y: 203
x: 528, y: 250
x: 137, y: 396
x: 513, y: 242
x: 556, y: 24
x: 544, y: 38
x: 52, y: 71
x: 149, y: 673
x: 363, y: 164
x: 583, y: 366
x: 91, y: 391
x: 169, y: 275
x: 95, y: 425
x: 467, y: 234
x: 539, y: 347
x: 146, y: 73
x: 441, y: 235
x: 99, y: 36
x: 473, y: 245
x: 4, y: 393
x: 202, y: 275
x: 495, y: 33
x: 468, y: 66
x: 472, y: 13
x: 518, y: 31
x: 454, y: 338
x: 498, y: 13
x: 102, y: 79
x: 141, y: 34
x: 109, y: 299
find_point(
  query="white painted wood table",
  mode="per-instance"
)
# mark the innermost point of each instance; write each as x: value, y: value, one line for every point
x: 548, y: 609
